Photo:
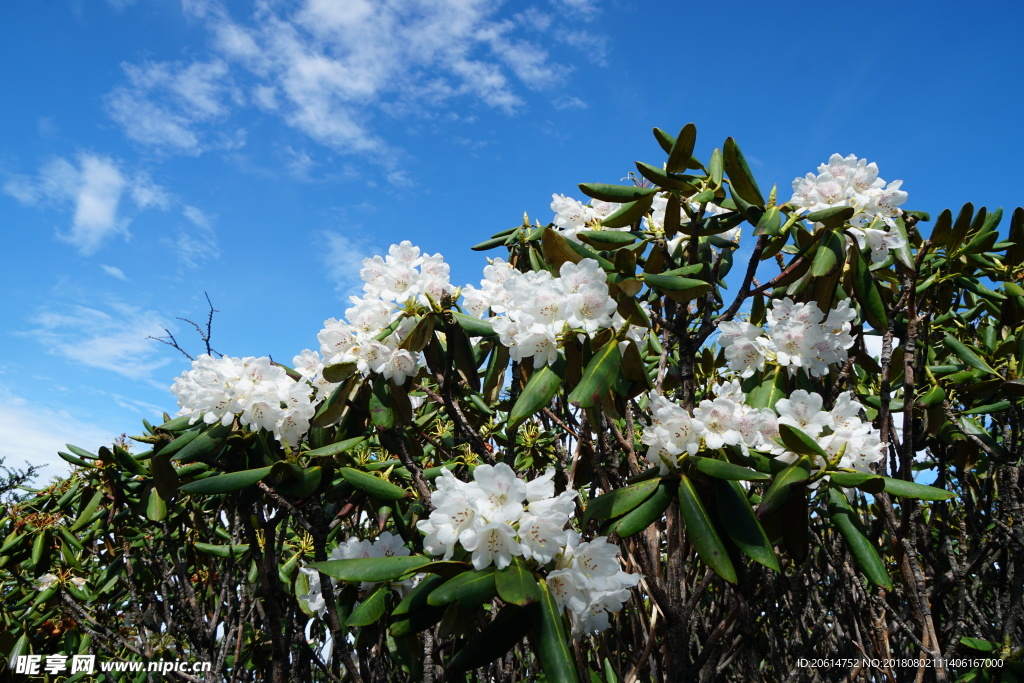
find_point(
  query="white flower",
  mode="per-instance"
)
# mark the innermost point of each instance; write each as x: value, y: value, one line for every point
x: 672, y: 432
x: 849, y: 181
x: 46, y: 581
x: 492, y: 542
x: 803, y: 411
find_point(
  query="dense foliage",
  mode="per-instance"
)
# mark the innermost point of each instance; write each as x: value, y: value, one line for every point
x: 600, y: 463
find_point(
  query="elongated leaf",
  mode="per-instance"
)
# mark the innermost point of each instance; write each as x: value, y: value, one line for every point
x: 702, y: 532
x: 863, y: 550
x: 645, y: 514
x: 662, y: 179
x: 616, y: 193
x: 868, y: 296
x: 474, y: 327
x: 673, y: 283
x: 416, y: 600
x: 206, y: 444
x: 943, y: 225
x: 224, y: 483
x: 343, y: 446
x: 470, y: 589
x: 557, y: 249
x: 960, y: 227
x: 382, y: 411
x: 156, y: 507
x: 372, y: 569
x: 537, y: 393
x: 911, y: 489
x: 832, y: 217
x: 375, y: 486
x: 551, y: 643
x: 778, y: 493
x: 768, y: 393
x: 88, y: 511
x: 370, y: 610
x: 218, y: 550
x: 598, y: 377
x: 741, y: 524
x: 770, y: 223
x: 829, y: 255
x: 682, y: 149
x: 968, y: 356
x: 516, y: 584
x: 865, y: 481
x: 1015, y: 254
x: 799, y: 442
x: 726, y: 470
x: 620, y: 501
x: 497, y: 638
x: 742, y: 180
x: 629, y: 214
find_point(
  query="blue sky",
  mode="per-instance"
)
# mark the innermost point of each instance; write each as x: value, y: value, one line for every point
x: 154, y: 150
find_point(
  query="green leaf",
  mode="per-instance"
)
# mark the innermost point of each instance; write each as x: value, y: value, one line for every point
x: 682, y: 149
x: 416, y: 600
x: 741, y: 524
x: 382, y: 411
x: 490, y: 244
x: 551, y: 643
x: 980, y: 644
x: 861, y: 547
x: 902, y: 254
x: 770, y: 223
x: 620, y: 501
x: 495, y: 639
x: 799, y: 442
x: 702, y: 533
x: 726, y: 470
x: 516, y: 584
x: 343, y: 446
x: 470, y: 589
x: 224, y: 483
x: 606, y: 240
x: 537, y: 393
x: 865, y: 481
x: 474, y: 327
x: 645, y: 514
x: 742, y: 180
x: 832, y: 217
x: 620, y: 194
x: 88, y: 511
x: 1015, y: 254
x: 768, y: 393
x: 372, y: 569
x: 662, y: 179
x: 911, y: 489
x: 206, y: 444
x: 831, y: 252
x: 338, y: 372
x: 220, y: 550
x: 598, y: 377
x: 968, y: 356
x: 156, y: 507
x: 673, y: 283
x: 715, y: 167
x: 778, y: 493
x: 960, y: 227
x: 868, y: 296
x: 375, y: 486
x: 371, y: 609
x: 629, y: 214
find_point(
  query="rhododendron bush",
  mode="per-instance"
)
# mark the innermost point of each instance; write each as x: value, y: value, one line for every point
x: 614, y: 457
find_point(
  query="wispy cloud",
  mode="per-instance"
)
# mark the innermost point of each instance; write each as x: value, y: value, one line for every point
x: 343, y: 259
x: 34, y: 432
x: 116, y: 339
x: 329, y: 69
x: 114, y: 272
x: 102, y: 197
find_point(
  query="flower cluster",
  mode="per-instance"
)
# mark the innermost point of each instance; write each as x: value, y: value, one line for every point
x: 849, y: 181
x: 539, y: 309
x: 798, y: 335
x: 404, y: 277
x: 259, y: 393
x: 571, y: 216
x: 726, y: 420
x: 385, y: 545
x: 498, y: 516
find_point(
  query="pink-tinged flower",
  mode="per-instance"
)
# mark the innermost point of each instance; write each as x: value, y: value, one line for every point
x: 493, y: 542
x: 803, y: 411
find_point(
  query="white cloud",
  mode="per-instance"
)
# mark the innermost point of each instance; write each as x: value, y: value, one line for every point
x: 343, y: 259
x: 114, y: 272
x: 117, y: 340
x: 164, y: 103
x: 329, y: 68
x: 34, y: 432
x: 93, y: 186
x: 96, y: 189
